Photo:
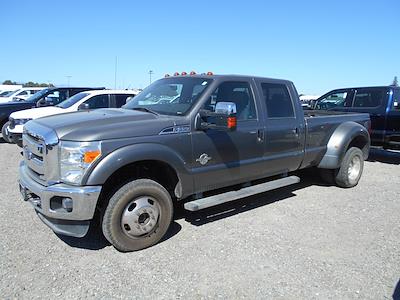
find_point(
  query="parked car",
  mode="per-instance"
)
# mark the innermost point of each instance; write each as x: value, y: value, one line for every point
x: 9, y: 88
x: 20, y: 94
x: 46, y: 97
x: 382, y: 104
x: 81, y: 101
x: 131, y: 165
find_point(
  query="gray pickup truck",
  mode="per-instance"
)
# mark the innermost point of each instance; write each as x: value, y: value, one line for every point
x: 184, y: 138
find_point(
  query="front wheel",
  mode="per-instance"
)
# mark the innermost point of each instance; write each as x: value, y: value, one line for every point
x: 138, y: 215
x: 4, y: 132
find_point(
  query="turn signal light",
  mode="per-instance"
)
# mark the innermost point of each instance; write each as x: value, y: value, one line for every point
x: 231, y: 122
x: 91, y: 156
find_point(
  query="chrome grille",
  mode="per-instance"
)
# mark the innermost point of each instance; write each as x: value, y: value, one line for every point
x: 34, y: 156
x: 40, y: 152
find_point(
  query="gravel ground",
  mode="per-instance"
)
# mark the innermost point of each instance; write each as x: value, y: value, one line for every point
x: 305, y: 241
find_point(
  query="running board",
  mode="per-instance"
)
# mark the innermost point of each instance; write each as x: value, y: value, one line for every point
x: 239, y: 194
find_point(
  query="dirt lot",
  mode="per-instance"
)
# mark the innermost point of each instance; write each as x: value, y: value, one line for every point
x: 305, y: 241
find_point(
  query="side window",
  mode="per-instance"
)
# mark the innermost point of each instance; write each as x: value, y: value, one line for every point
x: 23, y: 93
x: 278, y: 101
x: 368, y: 98
x: 238, y: 93
x: 99, y: 101
x: 122, y: 99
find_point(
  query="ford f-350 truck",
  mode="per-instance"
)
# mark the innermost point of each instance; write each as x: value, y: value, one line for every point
x: 182, y: 139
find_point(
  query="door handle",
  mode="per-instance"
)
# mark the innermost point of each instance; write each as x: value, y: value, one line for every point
x: 296, y: 131
x: 260, y: 135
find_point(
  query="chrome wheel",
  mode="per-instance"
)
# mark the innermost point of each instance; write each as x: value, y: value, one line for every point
x: 140, y: 217
x: 354, y: 168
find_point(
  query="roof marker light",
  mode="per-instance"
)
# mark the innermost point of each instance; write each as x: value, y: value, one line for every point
x: 176, y: 74
x: 210, y: 73
x: 183, y: 73
x: 193, y: 73
x: 167, y: 75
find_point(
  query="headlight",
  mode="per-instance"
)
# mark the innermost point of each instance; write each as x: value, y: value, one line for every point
x: 76, y: 158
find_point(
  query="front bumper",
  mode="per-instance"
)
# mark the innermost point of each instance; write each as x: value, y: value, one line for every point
x: 47, y: 201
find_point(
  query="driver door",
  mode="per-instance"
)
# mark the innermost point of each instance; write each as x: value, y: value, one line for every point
x: 223, y: 158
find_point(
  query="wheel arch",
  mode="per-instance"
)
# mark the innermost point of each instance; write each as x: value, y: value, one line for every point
x: 346, y: 135
x: 143, y: 161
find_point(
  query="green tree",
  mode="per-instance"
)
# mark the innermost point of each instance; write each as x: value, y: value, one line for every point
x: 395, y: 82
x: 9, y: 82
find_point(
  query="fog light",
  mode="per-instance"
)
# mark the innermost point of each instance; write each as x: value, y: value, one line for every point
x: 67, y: 204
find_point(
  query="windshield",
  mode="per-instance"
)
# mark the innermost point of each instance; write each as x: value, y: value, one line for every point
x: 35, y: 97
x: 72, y: 100
x: 170, y: 96
x: 6, y: 93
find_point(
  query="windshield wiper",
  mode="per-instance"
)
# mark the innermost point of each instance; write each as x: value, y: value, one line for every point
x: 145, y: 110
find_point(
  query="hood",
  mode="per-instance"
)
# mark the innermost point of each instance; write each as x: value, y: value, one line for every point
x: 35, y: 113
x: 104, y: 124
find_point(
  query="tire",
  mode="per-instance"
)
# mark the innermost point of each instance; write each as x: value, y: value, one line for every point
x: 4, y: 132
x: 138, y: 215
x: 351, y: 168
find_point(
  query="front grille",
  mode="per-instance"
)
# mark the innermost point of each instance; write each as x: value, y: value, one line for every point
x: 12, y: 123
x: 34, y: 155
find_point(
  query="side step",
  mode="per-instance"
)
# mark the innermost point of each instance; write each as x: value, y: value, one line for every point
x: 242, y: 193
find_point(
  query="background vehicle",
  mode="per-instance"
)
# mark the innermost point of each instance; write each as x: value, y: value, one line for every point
x: 81, y: 101
x: 131, y: 165
x: 382, y: 104
x: 20, y: 94
x: 45, y: 97
x: 4, y: 88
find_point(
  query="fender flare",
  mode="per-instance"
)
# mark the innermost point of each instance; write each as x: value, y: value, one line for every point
x: 340, y: 140
x: 126, y: 155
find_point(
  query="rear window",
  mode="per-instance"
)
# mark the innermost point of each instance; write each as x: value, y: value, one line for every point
x: 278, y: 101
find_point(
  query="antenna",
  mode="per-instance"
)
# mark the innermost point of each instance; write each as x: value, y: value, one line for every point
x: 151, y: 72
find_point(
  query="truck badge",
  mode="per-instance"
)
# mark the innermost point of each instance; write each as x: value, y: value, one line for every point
x: 203, y: 159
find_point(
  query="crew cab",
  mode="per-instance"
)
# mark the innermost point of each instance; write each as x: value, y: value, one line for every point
x: 45, y: 97
x: 382, y: 104
x: 81, y: 101
x: 181, y: 139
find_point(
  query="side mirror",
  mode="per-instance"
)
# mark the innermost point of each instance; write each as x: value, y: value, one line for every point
x: 84, y: 106
x: 224, y: 118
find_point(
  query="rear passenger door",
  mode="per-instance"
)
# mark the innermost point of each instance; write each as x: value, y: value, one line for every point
x: 373, y: 101
x: 284, y: 132
x: 118, y: 100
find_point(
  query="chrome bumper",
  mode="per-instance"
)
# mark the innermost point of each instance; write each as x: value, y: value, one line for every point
x: 44, y: 199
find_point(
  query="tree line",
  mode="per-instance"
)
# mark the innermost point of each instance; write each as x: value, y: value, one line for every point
x: 28, y: 84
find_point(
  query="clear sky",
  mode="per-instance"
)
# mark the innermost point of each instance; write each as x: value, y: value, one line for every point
x: 320, y: 45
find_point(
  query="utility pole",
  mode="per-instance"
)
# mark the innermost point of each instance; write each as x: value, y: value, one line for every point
x: 68, y: 78
x: 151, y: 72
x: 115, y: 74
